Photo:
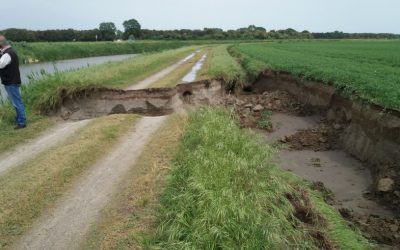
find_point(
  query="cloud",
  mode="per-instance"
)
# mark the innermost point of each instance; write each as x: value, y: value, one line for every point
x: 313, y: 15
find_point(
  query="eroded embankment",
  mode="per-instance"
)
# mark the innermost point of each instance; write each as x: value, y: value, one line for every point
x: 368, y: 132
x: 96, y: 102
x: 317, y: 126
x: 372, y: 134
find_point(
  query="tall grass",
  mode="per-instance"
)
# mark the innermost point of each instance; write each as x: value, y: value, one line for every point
x: 225, y: 193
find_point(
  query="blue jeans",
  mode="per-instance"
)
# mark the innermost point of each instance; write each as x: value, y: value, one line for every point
x: 14, y: 95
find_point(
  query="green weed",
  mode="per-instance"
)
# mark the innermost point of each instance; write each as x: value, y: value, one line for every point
x: 265, y: 120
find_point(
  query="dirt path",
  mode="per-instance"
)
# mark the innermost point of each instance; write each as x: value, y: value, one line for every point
x: 154, y: 78
x: 31, y: 149
x: 65, y: 225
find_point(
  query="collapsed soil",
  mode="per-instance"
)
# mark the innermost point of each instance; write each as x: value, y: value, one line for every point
x: 316, y: 135
x: 311, y: 220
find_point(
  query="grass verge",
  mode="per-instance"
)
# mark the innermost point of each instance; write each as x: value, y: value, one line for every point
x: 27, y: 190
x: 9, y: 137
x: 224, y: 193
x: 222, y: 65
x: 131, y: 214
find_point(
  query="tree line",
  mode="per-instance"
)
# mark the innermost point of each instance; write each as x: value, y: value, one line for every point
x: 107, y: 31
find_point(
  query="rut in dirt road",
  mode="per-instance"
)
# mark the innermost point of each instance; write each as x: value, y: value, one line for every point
x: 65, y: 226
x: 28, y: 151
x: 152, y: 79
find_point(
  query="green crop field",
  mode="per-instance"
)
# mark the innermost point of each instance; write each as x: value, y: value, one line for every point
x: 366, y: 69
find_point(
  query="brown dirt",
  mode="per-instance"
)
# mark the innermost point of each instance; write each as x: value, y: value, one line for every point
x: 311, y: 220
x: 376, y: 228
x: 320, y: 138
x: 249, y: 107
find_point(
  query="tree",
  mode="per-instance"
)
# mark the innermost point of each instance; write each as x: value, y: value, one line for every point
x: 108, y: 31
x: 120, y: 35
x: 132, y: 28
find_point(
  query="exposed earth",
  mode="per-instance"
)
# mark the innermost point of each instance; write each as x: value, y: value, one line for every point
x: 312, y: 150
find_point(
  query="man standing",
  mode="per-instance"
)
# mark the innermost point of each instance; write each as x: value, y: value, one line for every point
x: 11, y: 79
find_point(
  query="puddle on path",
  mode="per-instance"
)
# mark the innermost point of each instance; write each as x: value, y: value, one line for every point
x: 192, y: 75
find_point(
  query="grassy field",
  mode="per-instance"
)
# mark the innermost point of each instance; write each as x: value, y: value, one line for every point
x: 68, y: 50
x: 45, y: 94
x: 366, y: 69
x: 30, y: 188
x: 224, y: 193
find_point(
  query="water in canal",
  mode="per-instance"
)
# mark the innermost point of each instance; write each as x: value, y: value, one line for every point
x: 60, y: 66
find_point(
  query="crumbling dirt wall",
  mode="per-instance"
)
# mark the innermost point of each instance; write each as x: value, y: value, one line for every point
x: 152, y: 102
x: 372, y: 133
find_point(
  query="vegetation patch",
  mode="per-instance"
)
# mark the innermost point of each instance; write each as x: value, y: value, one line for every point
x: 10, y: 138
x: 27, y: 190
x: 225, y: 193
x: 131, y: 214
x: 223, y: 66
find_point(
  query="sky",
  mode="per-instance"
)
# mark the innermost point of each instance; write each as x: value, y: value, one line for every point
x: 313, y: 15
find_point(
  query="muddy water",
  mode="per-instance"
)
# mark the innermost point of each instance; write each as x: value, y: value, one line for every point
x: 342, y: 174
x: 192, y: 75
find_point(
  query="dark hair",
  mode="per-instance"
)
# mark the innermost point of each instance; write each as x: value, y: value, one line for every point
x: 5, y: 42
